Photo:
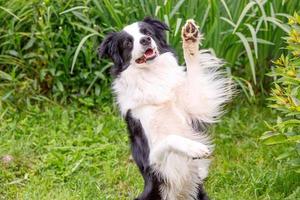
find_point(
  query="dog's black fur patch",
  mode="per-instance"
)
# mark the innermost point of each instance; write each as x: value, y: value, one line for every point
x: 199, y: 127
x: 140, y: 152
x: 118, y: 47
x: 201, y: 193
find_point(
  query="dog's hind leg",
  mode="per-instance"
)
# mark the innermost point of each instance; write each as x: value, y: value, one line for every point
x: 151, y: 187
x: 140, y: 152
x: 180, y: 145
x: 201, y: 193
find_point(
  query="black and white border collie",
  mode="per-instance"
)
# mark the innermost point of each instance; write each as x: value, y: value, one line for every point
x: 166, y: 106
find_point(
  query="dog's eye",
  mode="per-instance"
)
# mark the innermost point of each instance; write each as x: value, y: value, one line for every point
x: 128, y: 44
x: 148, y: 33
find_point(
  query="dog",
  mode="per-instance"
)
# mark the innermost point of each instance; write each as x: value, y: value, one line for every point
x: 167, y: 107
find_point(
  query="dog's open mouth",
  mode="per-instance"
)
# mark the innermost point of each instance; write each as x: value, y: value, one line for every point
x: 148, y: 55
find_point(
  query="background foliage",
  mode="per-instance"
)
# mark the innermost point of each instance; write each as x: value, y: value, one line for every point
x: 285, y: 98
x: 49, y: 47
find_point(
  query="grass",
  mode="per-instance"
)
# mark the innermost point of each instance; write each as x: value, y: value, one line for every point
x: 74, y: 152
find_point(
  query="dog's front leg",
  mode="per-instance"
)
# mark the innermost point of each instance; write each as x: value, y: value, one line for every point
x: 180, y: 145
x: 204, y: 90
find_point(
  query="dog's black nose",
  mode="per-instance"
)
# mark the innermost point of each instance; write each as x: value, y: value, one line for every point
x: 145, y: 40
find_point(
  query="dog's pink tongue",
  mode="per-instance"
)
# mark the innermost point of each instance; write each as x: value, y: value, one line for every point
x: 148, y: 53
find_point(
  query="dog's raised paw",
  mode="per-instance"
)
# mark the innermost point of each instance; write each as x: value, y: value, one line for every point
x: 190, y: 31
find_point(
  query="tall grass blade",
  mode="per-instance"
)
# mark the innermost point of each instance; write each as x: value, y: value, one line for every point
x: 5, y: 76
x: 278, y: 23
x: 272, y: 10
x: 74, y: 8
x: 283, y: 15
x: 246, y: 87
x: 205, y: 17
x: 79, y: 47
x: 228, y: 21
x: 178, y: 25
x: 9, y: 12
x: 253, y: 34
x: 227, y: 9
x: 11, y: 60
x: 113, y: 12
x: 259, y: 23
x: 176, y: 8
x: 166, y: 19
x: 157, y: 10
x: 85, y: 27
x: 244, y: 12
x: 263, y: 12
x: 260, y: 41
x: 249, y: 54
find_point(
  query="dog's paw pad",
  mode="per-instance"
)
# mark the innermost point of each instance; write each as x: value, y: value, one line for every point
x: 190, y: 31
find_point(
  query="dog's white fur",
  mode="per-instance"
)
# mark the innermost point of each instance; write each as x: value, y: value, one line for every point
x: 165, y: 98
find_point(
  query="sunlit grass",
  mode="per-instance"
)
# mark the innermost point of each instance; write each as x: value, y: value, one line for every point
x: 76, y: 153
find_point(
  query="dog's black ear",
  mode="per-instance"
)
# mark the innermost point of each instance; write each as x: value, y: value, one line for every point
x: 109, y: 48
x: 106, y: 45
x: 159, y: 29
x: 156, y: 23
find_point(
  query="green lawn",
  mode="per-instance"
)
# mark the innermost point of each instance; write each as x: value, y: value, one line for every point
x: 72, y: 152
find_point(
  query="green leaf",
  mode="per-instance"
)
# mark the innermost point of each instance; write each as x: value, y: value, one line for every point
x: 100, y: 75
x: 263, y: 12
x: 228, y: 21
x: 178, y: 24
x: 249, y: 54
x: 278, y: 23
x: 268, y: 134
x: 227, y: 9
x: 112, y: 12
x: 275, y: 139
x: 295, y: 138
x: 261, y: 41
x: 284, y: 155
x: 86, y: 28
x: 79, y: 47
x: 60, y: 86
x: 5, y: 76
x: 97, y: 90
x: 176, y: 7
x: 9, y: 12
x: 74, y: 8
x: 29, y: 43
x: 295, y: 162
x: 242, y: 15
x: 157, y: 10
x: 205, y: 16
x: 253, y: 34
x: 86, y: 101
x: 293, y: 122
x: 7, y: 95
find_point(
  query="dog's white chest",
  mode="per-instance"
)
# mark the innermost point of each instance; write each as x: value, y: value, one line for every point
x: 155, y: 85
x: 160, y: 121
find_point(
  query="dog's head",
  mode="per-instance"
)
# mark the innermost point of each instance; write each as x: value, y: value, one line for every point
x: 136, y: 45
